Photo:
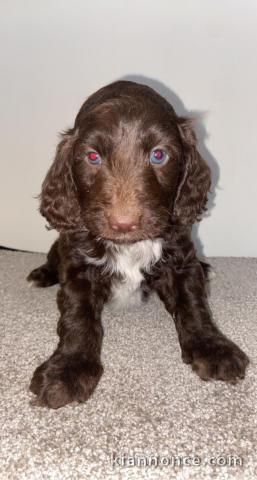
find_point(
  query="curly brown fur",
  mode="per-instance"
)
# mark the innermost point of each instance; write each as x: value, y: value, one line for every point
x: 126, y: 224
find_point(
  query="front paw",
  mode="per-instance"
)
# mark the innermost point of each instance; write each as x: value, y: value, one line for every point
x: 43, y: 276
x: 216, y: 358
x: 62, y: 379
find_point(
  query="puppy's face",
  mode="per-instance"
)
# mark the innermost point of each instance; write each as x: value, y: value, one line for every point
x: 127, y: 170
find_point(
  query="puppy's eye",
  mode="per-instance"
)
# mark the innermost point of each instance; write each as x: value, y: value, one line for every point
x: 94, y: 158
x: 158, y: 156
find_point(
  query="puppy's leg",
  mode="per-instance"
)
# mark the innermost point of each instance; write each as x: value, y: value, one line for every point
x: 74, y: 369
x: 206, y: 269
x: 47, y: 274
x: 210, y: 353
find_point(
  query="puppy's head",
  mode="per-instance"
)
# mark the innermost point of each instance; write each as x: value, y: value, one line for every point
x: 127, y: 170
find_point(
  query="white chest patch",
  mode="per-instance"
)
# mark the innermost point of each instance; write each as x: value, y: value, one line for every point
x: 129, y: 261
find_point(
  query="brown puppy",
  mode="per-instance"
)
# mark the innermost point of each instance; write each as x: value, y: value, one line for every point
x: 126, y: 185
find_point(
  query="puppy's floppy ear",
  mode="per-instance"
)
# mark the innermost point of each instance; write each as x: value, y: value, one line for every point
x: 195, y: 180
x: 59, y: 202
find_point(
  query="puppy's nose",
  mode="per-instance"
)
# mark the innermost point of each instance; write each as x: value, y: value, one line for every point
x: 123, y: 223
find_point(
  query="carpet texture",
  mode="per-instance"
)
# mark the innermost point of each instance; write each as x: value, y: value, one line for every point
x: 150, y: 414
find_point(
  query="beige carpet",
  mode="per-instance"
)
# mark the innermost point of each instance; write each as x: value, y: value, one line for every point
x: 148, y: 404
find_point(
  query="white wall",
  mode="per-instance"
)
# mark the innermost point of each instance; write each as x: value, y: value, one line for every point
x: 202, y: 53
